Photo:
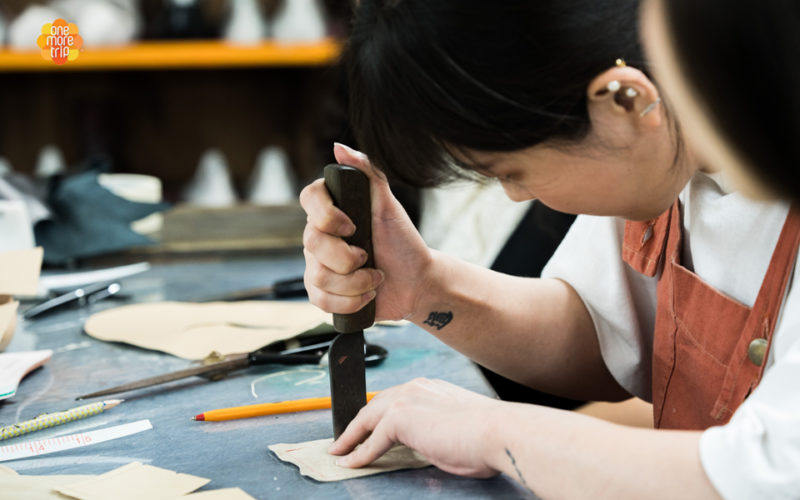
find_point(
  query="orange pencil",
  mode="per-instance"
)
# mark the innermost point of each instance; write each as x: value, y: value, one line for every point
x: 268, y: 409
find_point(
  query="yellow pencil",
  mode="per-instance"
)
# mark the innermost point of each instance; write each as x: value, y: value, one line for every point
x: 268, y: 409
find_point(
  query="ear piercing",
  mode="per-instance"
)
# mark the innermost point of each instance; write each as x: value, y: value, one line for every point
x: 615, y: 86
x: 622, y: 96
x: 625, y: 96
x: 650, y: 107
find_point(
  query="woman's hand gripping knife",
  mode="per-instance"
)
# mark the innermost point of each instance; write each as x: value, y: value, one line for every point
x: 336, y: 283
x: 334, y: 278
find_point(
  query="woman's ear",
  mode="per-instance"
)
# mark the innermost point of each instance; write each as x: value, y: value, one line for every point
x: 624, y: 91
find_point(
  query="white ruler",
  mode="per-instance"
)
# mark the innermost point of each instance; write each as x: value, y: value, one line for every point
x: 45, y: 446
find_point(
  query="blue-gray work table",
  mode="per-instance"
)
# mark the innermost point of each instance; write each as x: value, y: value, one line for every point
x: 232, y: 453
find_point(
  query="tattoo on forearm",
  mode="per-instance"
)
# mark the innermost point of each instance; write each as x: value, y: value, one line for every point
x: 519, y: 473
x: 439, y: 320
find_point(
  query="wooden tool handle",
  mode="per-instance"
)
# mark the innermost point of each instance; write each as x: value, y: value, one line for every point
x: 349, y: 189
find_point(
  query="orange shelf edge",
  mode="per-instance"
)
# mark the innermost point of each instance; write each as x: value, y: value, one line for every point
x: 205, y: 54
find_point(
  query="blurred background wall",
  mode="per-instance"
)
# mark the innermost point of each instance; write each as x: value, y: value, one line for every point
x: 159, y: 121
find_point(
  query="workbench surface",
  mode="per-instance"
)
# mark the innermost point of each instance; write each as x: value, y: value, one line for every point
x: 232, y: 453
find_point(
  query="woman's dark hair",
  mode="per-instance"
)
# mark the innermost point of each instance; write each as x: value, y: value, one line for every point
x: 430, y: 77
x: 742, y: 59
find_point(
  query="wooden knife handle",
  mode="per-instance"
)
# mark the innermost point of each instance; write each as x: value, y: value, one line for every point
x: 349, y: 188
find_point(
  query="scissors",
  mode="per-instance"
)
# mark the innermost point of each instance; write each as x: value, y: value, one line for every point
x: 311, y: 350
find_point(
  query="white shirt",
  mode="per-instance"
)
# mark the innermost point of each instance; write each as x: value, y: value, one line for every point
x: 470, y: 220
x: 728, y: 242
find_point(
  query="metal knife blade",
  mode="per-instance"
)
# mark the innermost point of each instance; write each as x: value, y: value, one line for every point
x: 349, y: 189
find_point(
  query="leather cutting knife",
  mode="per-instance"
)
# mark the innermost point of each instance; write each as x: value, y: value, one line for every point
x: 349, y: 189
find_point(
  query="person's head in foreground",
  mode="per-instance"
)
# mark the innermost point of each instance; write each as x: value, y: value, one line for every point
x: 732, y: 73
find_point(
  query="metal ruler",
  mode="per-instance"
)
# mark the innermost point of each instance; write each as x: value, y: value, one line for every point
x: 53, y: 445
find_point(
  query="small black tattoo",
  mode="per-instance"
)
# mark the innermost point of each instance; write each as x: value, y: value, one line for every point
x: 439, y: 320
x: 519, y: 473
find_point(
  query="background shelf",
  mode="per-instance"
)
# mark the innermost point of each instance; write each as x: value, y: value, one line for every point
x: 181, y: 55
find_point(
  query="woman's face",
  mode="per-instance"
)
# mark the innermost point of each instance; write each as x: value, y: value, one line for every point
x: 693, y: 115
x: 618, y: 169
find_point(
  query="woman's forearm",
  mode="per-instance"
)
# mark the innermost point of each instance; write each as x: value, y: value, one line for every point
x: 535, y: 331
x: 559, y: 454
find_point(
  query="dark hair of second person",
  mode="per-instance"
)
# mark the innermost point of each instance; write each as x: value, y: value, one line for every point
x: 741, y: 60
x: 427, y: 78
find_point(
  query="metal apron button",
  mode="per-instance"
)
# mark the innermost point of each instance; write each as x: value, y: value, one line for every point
x: 757, y: 351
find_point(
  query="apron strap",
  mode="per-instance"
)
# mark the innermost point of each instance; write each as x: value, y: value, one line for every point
x: 644, y: 243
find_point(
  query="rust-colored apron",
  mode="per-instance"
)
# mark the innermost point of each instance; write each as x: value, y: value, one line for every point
x: 709, y: 350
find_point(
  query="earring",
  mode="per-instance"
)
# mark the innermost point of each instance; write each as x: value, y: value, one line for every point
x: 612, y: 86
x: 625, y: 98
x: 615, y: 86
x: 620, y: 63
x: 650, y: 107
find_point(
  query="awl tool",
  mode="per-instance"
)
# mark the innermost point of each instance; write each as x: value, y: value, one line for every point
x: 349, y: 189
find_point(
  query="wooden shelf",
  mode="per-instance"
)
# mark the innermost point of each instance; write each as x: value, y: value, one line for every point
x: 206, y: 54
x: 189, y: 229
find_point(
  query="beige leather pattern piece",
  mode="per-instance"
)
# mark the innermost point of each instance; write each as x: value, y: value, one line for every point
x: 314, y: 461
x: 194, y: 330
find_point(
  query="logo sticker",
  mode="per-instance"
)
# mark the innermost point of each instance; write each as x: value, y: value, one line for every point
x: 60, y: 42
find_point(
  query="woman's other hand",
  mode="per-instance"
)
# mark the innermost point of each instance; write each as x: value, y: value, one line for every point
x: 448, y: 425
